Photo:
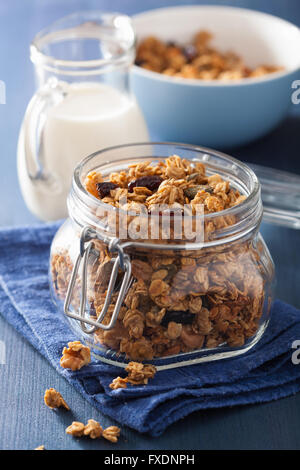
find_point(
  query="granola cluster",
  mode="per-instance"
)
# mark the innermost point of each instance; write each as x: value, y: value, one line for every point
x: 196, y: 60
x: 187, y: 303
x: 53, y: 399
x: 94, y: 430
x: 178, y: 301
x: 138, y: 374
x: 75, y: 356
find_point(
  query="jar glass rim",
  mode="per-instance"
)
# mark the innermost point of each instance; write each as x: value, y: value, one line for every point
x: 86, y: 201
x: 113, y: 28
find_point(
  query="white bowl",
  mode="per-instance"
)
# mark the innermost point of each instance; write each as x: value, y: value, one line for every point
x: 211, y: 112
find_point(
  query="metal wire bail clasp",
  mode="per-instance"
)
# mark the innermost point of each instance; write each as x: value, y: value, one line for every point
x: 122, y: 261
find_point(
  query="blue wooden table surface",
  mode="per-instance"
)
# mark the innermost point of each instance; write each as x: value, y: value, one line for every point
x: 25, y: 421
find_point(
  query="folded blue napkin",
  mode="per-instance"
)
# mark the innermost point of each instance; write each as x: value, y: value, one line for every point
x: 263, y: 374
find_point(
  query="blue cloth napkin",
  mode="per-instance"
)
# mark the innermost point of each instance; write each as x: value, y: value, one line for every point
x: 263, y: 374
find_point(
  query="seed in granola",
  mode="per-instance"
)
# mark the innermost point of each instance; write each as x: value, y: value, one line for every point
x: 151, y: 182
x: 214, y: 293
x: 105, y: 188
x: 179, y: 316
x: 53, y: 399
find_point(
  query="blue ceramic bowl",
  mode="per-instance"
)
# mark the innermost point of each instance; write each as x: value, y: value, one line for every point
x: 210, y: 112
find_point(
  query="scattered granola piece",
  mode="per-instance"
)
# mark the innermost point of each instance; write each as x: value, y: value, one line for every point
x: 75, y: 356
x: 93, y: 429
x: 42, y: 447
x: 53, y: 399
x: 76, y: 429
x: 111, y: 433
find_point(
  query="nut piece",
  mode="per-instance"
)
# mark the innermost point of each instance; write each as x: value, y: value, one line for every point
x: 93, y: 429
x: 111, y: 433
x: 75, y: 429
x: 53, y: 399
x: 75, y: 356
x: 42, y: 447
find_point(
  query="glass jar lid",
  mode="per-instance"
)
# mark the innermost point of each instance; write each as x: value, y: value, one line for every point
x: 86, y: 210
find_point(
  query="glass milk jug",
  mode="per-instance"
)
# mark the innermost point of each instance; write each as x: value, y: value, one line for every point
x: 83, y: 103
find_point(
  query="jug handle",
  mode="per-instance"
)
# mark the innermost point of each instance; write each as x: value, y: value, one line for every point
x: 45, y: 98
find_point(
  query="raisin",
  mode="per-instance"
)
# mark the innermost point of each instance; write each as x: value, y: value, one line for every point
x: 104, y: 188
x: 185, y: 318
x: 150, y: 182
x: 92, y: 309
x: 192, y: 191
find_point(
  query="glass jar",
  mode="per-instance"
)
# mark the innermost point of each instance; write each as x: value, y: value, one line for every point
x: 83, y: 103
x: 166, y: 301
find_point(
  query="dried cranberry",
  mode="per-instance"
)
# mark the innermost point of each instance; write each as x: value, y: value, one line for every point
x: 150, y: 182
x: 104, y: 188
x: 179, y: 316
x: 189, y: 52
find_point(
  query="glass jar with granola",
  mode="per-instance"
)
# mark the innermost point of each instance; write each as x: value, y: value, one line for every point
x: 161, y: 258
